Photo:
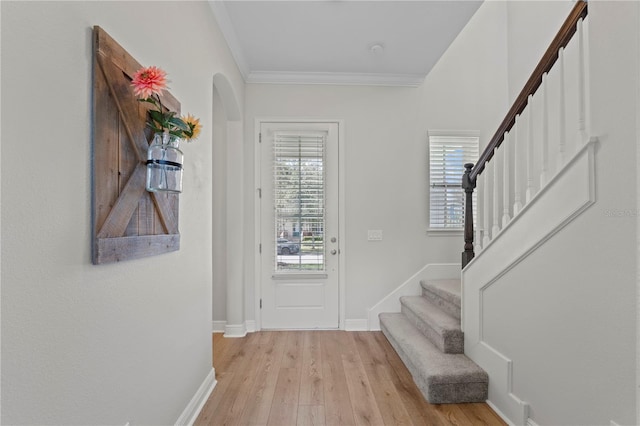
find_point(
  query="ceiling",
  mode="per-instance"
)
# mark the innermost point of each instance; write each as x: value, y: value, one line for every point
x: 340, y: 41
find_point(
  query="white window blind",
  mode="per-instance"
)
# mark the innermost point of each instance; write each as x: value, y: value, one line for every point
x: 447, y: 156
x: 299, y: 193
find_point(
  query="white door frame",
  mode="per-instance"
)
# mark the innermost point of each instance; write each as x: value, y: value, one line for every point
x: 341, y: 213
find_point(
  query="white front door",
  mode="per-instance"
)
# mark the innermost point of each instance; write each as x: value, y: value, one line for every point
x: 299, y: 225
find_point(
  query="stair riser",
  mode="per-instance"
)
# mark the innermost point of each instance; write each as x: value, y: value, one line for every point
x: 449, y: 343
x: 445, y: 305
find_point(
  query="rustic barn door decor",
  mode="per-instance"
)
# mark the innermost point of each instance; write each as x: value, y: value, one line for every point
x: 128, y: 221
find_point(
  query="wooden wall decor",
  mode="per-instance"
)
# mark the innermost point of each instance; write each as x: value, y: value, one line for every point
x: 128, y: 221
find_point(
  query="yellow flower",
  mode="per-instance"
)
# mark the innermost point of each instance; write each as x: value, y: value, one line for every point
x: 194, y: 127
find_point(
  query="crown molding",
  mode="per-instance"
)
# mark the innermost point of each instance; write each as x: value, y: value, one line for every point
x: 228, y: 32
x: 359, y: 79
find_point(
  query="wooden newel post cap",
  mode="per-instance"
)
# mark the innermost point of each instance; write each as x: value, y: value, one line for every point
x: 467, y: 183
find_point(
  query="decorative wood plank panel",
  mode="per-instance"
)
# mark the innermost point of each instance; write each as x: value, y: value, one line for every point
x: 128, y: 221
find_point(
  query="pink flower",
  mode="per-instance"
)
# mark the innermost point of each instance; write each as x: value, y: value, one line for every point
x: 149, y: 81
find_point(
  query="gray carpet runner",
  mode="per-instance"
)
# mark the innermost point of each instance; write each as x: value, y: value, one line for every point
x: 428, y: 338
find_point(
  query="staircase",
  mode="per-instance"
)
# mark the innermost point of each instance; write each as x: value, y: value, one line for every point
x: 428, y: 338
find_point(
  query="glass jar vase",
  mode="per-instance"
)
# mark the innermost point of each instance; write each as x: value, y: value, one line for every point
x: 164, y: 164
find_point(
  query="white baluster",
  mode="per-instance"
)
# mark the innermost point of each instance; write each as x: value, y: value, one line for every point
x: 562, y: 125
x: 480, y: 200
x: 545, y: 134
x: 496, y: 194
x: 529, y: 160
x: 517, y: 197
x: 582, y: 133
x: 486, y: 239
x: 506, y: 148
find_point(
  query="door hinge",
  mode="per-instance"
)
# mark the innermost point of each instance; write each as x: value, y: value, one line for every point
x: 260, y: 248
x: 260, y: 303
x: 259, y: 137
x: 259, y: 192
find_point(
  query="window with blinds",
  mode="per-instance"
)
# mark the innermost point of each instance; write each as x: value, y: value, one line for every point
x: 299, y: 194
x: 447, y: 156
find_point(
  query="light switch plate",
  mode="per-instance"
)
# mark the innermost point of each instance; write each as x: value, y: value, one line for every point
x: 374, y: 235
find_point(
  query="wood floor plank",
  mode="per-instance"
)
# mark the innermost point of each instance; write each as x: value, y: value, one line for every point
x: 284, y: 409
x: 365, y: 407
x: 261, y: 395
x: 232, y: 408
x: 338, y: 409
x: 292, y: 357
x: 453, y: 414
x: 482, y: 414
x: 387, y: 398
x: 419, y: 409
x: 311, y: 415
x: 311, y: 384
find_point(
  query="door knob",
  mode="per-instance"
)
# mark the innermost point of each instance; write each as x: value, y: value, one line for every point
x: 334, y: 251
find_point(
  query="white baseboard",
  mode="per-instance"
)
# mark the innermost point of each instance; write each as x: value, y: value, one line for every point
x: 411, y: 287
x: 218, y: 326
x: 237, y: 330
x: 356, y: 325
x: 499, y: 413
x: 192, y: 410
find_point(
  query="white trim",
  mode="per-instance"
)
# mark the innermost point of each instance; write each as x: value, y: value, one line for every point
x: 356, y: 325
x: 193, y: 408
x: 411, y: 287
x: 237, y: 330
x: 564, y: 198
x: 228, y: 32
x: 499, y: 413
x: 342, y: 292
x: 218, y: 326
x: 338, y: 78
x: 637, y: 222
x: 456, y: 233
x: 531, y: 423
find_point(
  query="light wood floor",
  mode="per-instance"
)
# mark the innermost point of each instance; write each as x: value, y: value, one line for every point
x: 334, y: 378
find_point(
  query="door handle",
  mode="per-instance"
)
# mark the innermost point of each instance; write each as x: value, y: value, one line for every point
x: 334, y: 251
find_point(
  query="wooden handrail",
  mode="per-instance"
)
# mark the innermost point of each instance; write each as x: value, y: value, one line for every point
x: 550, y: 57
x: 560, y: 41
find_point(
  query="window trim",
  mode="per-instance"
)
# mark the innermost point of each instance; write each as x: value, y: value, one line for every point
x: 445, y: 232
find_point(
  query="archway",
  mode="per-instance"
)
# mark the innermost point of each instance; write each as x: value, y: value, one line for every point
x: 227, y: 216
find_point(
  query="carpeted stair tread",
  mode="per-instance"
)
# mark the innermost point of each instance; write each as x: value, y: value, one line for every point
x: 445, y: 293
x: 441, y: 328
x: 448, y: 289
x: 442, y: 378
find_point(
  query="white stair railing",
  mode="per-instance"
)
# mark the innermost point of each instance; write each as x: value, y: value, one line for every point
x: 526, y: 131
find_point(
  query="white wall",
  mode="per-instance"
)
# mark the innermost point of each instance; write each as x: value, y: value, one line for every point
x: 386, y: 154
x: 531, y: 25
x: 565, y: 316
x: 116, y: 343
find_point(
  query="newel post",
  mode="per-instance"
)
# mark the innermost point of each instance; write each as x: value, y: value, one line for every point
x: 468, y: 185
